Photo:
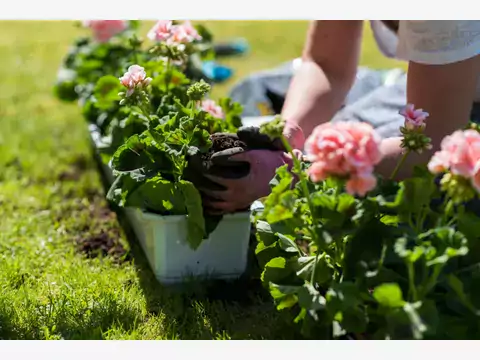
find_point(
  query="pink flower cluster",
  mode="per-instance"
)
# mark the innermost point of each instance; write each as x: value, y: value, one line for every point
x: 104, y: 30
x: 414, y: 118
x: 345, y: 149
x: 164, y: 30
x: 212, y: 108
x: 134, y: 78
x: 459, y: 154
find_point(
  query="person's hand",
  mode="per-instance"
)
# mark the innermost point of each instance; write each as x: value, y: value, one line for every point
x: 234, y: 178
x: 294, y: 135
x: 240, y: 190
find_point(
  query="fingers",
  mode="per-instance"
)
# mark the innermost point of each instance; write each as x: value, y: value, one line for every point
x: 221, y: 207
x: 222, y: 194
x: 224, y: 157
x: 229, y: 164
x: 298, y: 154
x: 224, y: 134
x: 294, y: 135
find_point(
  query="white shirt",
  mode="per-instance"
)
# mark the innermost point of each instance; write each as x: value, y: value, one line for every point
x: 433, y: 42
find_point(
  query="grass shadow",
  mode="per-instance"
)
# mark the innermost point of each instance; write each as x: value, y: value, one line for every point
x: 215, y: 309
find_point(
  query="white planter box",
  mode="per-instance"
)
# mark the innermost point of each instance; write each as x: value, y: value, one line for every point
x: 95, y: 138
x: 163, y: 239
x: 223, y: 255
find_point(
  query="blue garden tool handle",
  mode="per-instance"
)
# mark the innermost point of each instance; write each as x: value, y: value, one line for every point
x: 216, y: 72
x: 234, y: 47
x: 219, y: 73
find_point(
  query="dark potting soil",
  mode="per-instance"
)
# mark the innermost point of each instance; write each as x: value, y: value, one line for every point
x: 222, y: 142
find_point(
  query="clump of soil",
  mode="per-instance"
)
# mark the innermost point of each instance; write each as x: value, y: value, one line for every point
x: 225, y: 141
x: 99, y: 234
x: 103, y: 244
x: 222, y: 142
x: 78, y: 166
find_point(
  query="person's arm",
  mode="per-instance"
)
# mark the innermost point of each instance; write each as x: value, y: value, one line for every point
x: 445, y: 88
x: 328, y: 70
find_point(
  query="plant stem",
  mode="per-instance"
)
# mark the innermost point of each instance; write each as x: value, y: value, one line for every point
x: 193, y: 109
x: 432, y: 280
x: 144, y: 111
x: 297, y: 169
x: 411, y: 281
x: 399, y: 165
x: 168, y: 74
x: 312, y: 278
x: 147, y: 115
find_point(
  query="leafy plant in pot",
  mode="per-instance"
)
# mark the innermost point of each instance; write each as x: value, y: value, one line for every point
x: 360, y: 256
x: 151, y: 167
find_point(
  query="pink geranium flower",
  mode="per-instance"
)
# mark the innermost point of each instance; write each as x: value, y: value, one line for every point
x: 104, y: 30
x: 161, y: 31
x: 135, y: 78
x: 361, y: 184
x: 184, y: 33
x: 212, y: 108
x: 344, y: 149
x: 414, y: 118
x: 460, y: 154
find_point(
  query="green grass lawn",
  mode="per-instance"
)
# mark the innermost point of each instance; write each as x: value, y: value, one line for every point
x: 51, y: 200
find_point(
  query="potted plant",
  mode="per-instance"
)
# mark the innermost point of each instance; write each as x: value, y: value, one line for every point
x: 151, y: 170
x: 361, y: 257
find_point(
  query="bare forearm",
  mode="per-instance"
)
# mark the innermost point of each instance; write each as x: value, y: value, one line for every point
x: 446, y: 92
x: 320, y: 86
x: 314, y: 97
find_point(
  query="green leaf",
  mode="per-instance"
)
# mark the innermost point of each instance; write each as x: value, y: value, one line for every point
x: 345, y: 203
x: 323, y: 271
x: 389, y: 295
x: 201, y: 139
x: 266, y: 253
x: 195, y: 219
x: 287, y: 244
x: 446, y: 243
x: 390, y: 220
x: 130, y: 155
x: 324, y: 201
x: 343, y: 296
x: 106, y: 92
x: 276, y: 270
x: 365, y: 249
x: 469, y: 225
x: 309, y: 298
x: 457, y: 286
x: 159, y: 196
x: 415, y: 194
x: 284, y: 296
x: 264, y: 233
x: 280, y: 202
x: 411, y: 255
